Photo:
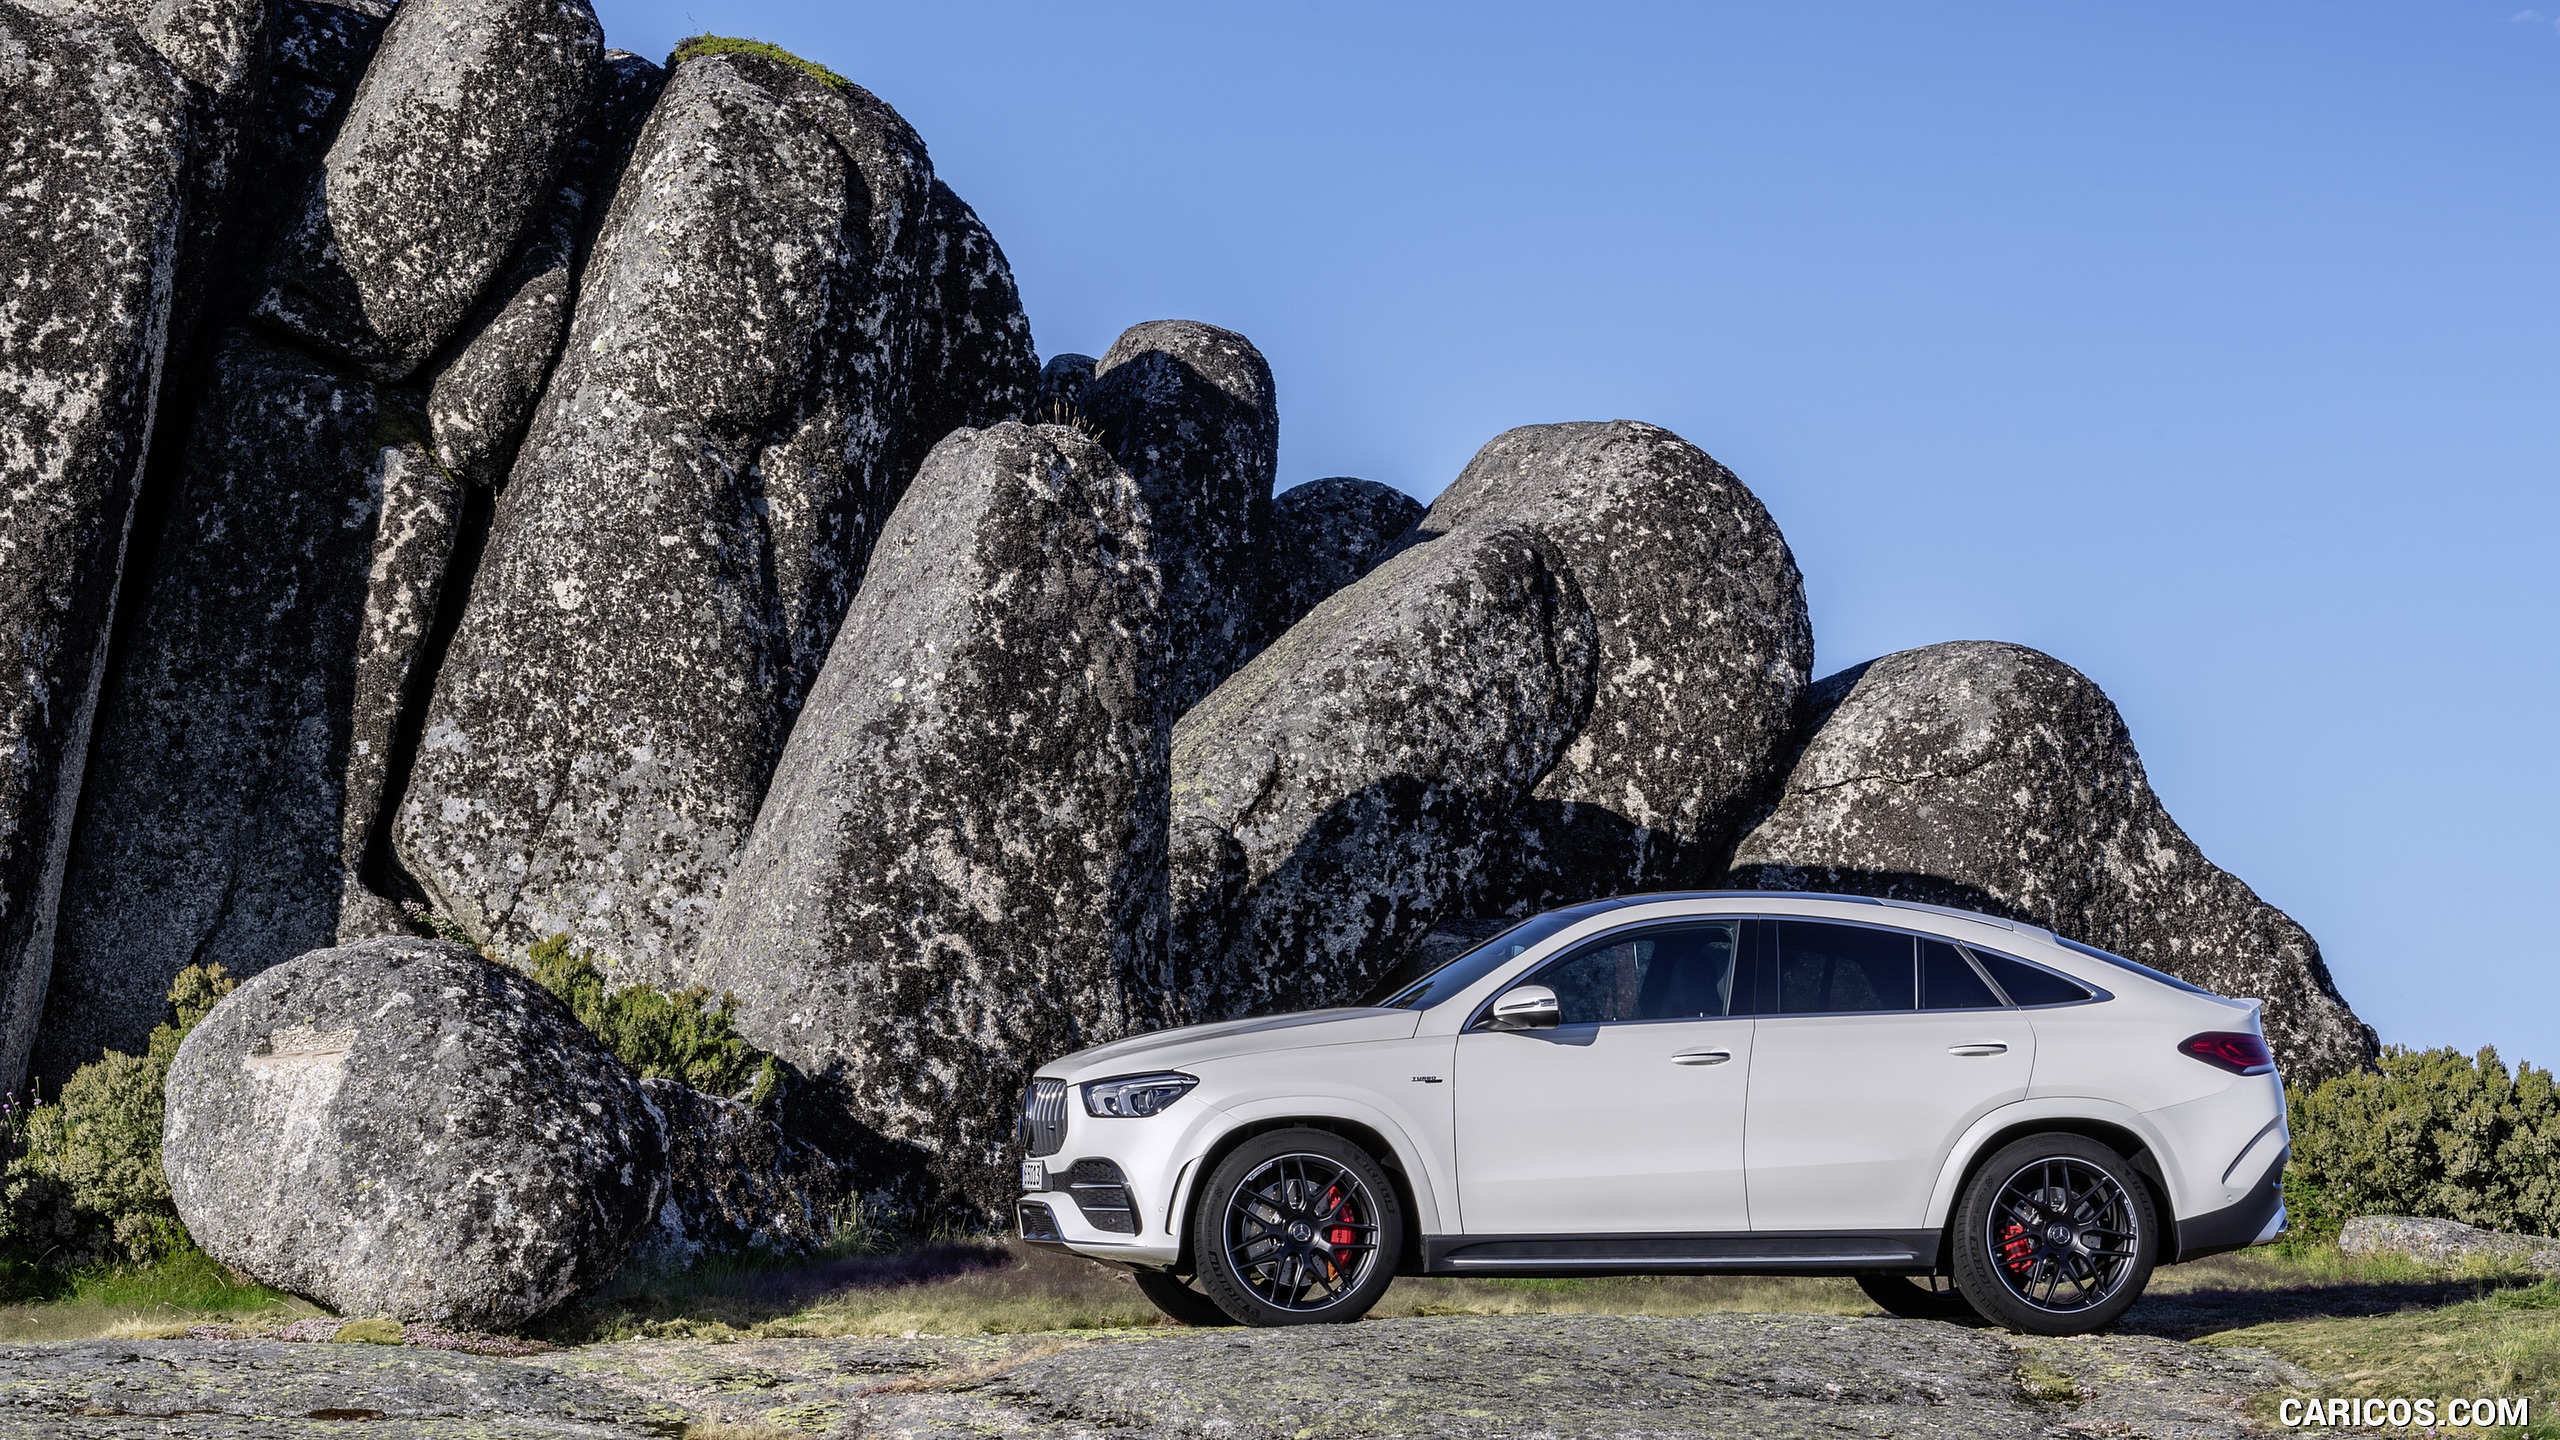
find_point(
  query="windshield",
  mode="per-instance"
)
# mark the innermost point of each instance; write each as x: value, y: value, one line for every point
x: 2136, y: 966
x: 1483, y: 960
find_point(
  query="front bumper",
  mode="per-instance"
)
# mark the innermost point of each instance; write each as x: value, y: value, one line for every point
x: 1146, y: 1161
x: 1051, y: 1218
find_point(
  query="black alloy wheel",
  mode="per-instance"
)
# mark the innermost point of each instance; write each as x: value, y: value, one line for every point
x: 1180, y: 1303
x: 1297, y: 1227
x: 1918, y: 1297
x: 2056, y: 1236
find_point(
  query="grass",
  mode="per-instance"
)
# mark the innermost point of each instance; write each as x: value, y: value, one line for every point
x: 701, y: 45
x: 2504, y: 1343
x: 133, y: 1301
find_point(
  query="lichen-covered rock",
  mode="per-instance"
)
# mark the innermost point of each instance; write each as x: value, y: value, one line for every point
x: 2449, y: 1244
x: 483, y: 393
x: 1993, y: 777
x: 321, y: 49
x: 1189, y: 410
x: 974, y: 363
x: 219, y: 48
x: 1063, y: 381
x: 1324, y: 535
x: 446, y: 155
x: 686, y: 521
x: 1341, y: 790
x: 736, y: 1184
x: 244, y: 738
x: 960, y: 868
x: 401, y: 1128
x: 93, y: 152
x: 1704, y: 653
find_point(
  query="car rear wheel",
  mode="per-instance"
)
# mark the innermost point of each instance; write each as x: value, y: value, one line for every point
x: 1917, y: 1297
x: 1180, y: 1303
x: 2056, y: 1235
x: 1297, y: 1227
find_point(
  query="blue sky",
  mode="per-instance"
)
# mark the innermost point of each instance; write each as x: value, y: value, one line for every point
x: 2214, y: 349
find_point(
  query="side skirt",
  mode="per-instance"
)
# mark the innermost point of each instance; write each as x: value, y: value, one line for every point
x: 1754, y: 1252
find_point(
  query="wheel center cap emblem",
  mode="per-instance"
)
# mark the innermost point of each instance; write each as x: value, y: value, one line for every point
x: 2058, y: 1233
x: 1301, y: 1231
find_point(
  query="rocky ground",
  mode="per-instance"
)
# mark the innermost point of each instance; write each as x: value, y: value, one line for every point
x: 1456, y: 1376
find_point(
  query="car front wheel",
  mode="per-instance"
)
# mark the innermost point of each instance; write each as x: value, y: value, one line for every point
x: 2056, y: 1235
x: 1297, y: 1227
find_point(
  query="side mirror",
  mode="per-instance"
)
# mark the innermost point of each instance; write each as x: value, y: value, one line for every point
x: 1525, y: 1007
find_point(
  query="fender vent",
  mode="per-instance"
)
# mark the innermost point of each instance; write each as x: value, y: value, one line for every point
x: 1102, y: 1193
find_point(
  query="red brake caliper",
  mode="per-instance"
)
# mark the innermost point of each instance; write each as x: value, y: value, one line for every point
x: 1341, y: 1236
x: 2016, y: 1249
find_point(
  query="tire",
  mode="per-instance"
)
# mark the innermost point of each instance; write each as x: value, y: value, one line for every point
x: 1180, y: 1303
x: 2056, y: 1235
x: 1255, y: 1229
x: 1913, y: 1297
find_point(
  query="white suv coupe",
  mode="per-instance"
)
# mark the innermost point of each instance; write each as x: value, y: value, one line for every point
x: 1966, y: 1114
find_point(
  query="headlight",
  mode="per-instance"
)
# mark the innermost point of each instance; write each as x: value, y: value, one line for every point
x: 1132, y: 1096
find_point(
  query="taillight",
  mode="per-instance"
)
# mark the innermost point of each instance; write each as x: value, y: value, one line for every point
x: 2234, y: 1050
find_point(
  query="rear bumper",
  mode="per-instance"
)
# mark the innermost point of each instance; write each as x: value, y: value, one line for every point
x: 2256, y: 1219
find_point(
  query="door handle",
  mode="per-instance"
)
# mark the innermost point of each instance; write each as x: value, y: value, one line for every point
x: 1702, y: 1057
x: 1987, y: 1047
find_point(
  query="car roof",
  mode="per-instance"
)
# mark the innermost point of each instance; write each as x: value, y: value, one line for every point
x: 1722, y: 897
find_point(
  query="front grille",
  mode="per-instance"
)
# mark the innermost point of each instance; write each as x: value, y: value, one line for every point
x: 1037, y: 1221
x: 1043, y: 1130
x: 1102, y: 1193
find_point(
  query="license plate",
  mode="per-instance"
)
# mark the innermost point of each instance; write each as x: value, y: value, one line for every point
x: 1035, y: 1176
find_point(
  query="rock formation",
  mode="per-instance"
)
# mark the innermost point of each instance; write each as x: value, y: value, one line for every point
x: 244, y: 737
x: 93, y: 177
x: 1704, y: 653
x: 689, y: 514
x: 444, y: 159
x: 1991, y: 777
x: 1340, y: 791
x: 960, y: 869
x: 483, y: 392
x: 736, y: 1184
x: 402, y: 1128
x: 1063, y: 381
x: 1324, y: 535
x: 1189, y: 410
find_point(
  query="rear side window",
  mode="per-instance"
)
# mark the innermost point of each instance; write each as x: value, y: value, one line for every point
x: 1672, y: 972
x: 1948, y: 981
x: 1825, y: 969
x: 2029, y: 984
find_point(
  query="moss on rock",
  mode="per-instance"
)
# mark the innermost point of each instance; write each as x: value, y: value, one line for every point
x: 702, y: 45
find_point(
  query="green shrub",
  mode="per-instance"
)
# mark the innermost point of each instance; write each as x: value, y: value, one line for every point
x: 2430, y: 1132
x: 687, y: 1035
x: 82, y: 1183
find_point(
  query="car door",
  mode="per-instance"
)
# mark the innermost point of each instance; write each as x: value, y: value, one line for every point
x: 1627, y: 1116
x: 1874, y: 1050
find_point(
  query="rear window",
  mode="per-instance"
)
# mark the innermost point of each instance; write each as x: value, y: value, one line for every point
x: 2136, y: 966
x: 2030, y: 984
